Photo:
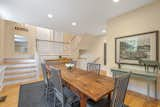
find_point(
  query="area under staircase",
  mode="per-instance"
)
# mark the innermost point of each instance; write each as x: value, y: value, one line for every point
x: 20, y: 70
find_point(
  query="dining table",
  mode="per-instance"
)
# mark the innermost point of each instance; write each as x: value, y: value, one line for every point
x: 87, y: 84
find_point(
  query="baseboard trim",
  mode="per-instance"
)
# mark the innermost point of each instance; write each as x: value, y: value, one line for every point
x: 130, y: 92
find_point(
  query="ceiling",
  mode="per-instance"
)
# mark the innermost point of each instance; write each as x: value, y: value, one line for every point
x: 90, y: 15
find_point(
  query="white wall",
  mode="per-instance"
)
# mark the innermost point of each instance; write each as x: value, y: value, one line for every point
x: 144, y: 19
x: 141, y: 20
x: 8, y: 39
x: 44, y: 34
x: 1, y: 40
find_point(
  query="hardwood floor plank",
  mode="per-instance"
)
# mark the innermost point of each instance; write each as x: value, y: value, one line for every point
x: 132, y: 99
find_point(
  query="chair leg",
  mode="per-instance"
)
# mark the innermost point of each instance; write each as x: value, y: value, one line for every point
x: 46, y: 94
x: 54, y: 100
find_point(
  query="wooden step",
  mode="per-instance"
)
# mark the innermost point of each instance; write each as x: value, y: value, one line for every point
x: 19, y: 61
x: 20, y: 71
x: 19, y: 81
x: 20, y: 58
x: 19, y: 78
x: 20, y: 66
x: 9, y: 77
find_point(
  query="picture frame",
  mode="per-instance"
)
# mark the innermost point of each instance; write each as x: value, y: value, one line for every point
x: 130, y: 49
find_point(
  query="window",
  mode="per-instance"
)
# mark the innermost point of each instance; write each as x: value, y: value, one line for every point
x: 21, y: 44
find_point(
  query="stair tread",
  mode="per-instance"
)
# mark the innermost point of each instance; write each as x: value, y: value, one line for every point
x: 19, y: 81
x: 21, y: 66
x: 19, y: 75
x: 20, y: 69
x: 20, y: 72
x: 19, y: 62
x: 24, y: 57
x: 11, y: 63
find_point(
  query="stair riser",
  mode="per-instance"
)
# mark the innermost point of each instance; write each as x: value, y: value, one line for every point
x: 19, y: 76
x: 19, y: 68
x: 21, y: 65
x: 13, y: 63
x: 19, y: 72
x: 19, y: 59
x: 15, y: 79
x: 19, y: 81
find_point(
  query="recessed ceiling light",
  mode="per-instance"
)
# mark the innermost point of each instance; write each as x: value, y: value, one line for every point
x: 116, y: 1
x: 50, y: 16
x: 103, y: 31
x: 74, y: 24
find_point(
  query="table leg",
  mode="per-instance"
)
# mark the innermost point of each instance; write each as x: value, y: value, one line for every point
x: 109, y: 98
x: 3, y: 98
x: 83, y: 100
x: 148, y: 90
x: 156, y: 89
x: 113, y: 75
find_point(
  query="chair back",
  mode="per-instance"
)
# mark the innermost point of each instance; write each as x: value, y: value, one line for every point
x: 56, y: 80
x: 94, y: 67
x: 74, y: 62
x: 119, y: 93
x: 44, y: 71
x: 53, y: 63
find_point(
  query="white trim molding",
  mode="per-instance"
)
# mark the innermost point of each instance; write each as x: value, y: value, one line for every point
x: 2, y: 70
x: 1, y: 60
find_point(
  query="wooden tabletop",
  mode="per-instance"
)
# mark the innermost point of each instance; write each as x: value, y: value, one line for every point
x: 89, y: 83
x: 62, y: 60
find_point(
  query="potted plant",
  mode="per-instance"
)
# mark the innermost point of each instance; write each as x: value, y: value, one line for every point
x: 69, y: 66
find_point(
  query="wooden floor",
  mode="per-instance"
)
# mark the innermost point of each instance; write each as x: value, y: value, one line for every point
x: 132, y: 99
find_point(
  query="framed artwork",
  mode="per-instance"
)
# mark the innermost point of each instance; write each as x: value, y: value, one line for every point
x: 130, y: 49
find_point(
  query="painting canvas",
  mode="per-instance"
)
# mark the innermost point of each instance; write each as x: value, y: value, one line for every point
x: 130, y: 49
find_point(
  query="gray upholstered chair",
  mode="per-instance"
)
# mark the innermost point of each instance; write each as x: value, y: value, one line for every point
x: 63, y: 96
x: 118, y: 96
x: 74, y: 62
x: 53, y: 63
x: 94, y: 67
x: 49, y: 88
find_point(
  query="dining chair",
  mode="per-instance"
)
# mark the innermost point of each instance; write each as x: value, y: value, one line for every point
x: 48, y: 87
x: 53, y: 63
x: 74, y: 62
x: 94, y: 67
x: 63, y: 95
x: 118, y: 96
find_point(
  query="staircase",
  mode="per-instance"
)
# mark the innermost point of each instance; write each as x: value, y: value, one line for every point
x: 75, y: 46
x: 20, y: 70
